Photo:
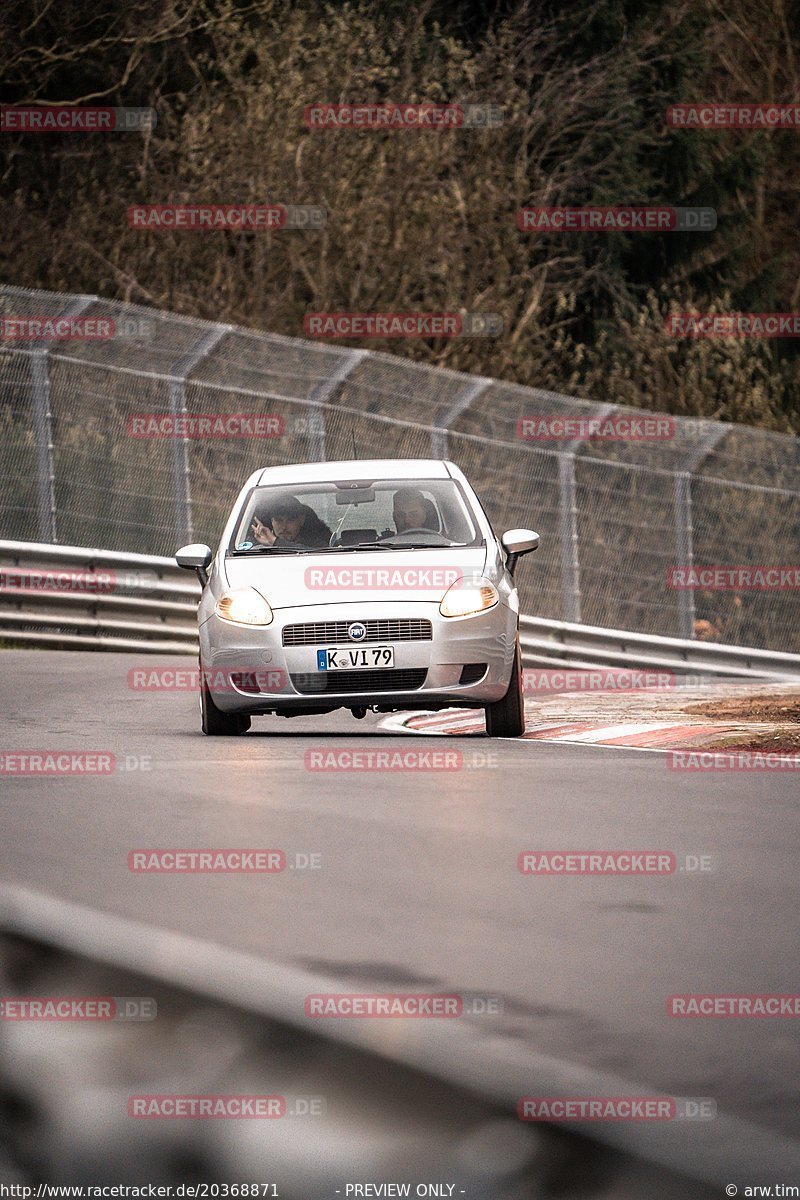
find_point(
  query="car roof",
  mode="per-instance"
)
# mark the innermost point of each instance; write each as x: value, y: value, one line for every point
x: 367, y: 469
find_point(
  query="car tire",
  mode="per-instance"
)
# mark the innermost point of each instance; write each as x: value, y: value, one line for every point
x: 506, y: 717
x: 214, y: 722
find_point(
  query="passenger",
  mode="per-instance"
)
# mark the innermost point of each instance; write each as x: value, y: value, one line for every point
x: 290, y: 523
x: 261, y: 527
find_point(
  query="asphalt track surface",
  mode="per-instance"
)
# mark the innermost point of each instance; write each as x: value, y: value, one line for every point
x: 418, y: 887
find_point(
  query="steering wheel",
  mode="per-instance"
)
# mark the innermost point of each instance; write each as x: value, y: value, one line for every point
x: 417, y: 529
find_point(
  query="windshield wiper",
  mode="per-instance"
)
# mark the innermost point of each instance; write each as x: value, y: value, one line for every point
x: 296, y: 550
x: 387, y: 544
x: 267, y: 550
x: 390, y: 545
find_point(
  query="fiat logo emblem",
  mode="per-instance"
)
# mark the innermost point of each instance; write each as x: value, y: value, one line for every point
x: 357, y: 631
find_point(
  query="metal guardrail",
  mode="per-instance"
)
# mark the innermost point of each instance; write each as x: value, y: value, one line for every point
x: 591, y: 646
x: 145, y: 602
x: 83, y: 598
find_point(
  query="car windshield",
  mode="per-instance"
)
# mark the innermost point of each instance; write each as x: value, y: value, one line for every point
x: 383, y: 514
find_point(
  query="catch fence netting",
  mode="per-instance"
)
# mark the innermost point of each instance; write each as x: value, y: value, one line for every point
x: 617, y: 518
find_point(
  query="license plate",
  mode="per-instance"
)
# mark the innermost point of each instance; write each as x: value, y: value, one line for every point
x: 355, y: 658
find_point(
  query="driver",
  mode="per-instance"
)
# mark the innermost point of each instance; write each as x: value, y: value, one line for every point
x: 410, y: 510
x: 290, y: 523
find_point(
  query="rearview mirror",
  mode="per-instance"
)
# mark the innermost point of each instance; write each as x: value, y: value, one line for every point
x: 517, y: 542
x: 196, y: 557
x: 354, y: 495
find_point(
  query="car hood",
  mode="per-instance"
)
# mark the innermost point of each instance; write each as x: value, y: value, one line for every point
x: 288, y: 581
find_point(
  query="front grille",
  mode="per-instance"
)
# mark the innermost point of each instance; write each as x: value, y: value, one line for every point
x: 326, y: 633
x: 313, y: 684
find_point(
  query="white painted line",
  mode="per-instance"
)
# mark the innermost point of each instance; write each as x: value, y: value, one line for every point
x: 397, y: 723
x: 607, y: 732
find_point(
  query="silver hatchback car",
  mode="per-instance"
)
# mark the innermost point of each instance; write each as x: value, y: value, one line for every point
x: 374, y: 584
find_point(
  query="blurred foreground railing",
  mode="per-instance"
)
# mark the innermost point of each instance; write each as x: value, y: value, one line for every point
x: 406, y: 1101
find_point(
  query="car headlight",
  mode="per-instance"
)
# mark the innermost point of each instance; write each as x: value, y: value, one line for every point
x: 244, y: 606
x: 468, y: 596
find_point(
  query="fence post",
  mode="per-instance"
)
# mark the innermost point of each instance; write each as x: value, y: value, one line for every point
x: 181, y: 473
x: 568, y: 522
x: 474, y: 388
x: 320, y: 396
x: 684, y: 527
x: 568, y: 535
x: 43, y: 428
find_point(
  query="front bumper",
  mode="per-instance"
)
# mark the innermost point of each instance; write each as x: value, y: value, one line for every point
x: 238, y: 659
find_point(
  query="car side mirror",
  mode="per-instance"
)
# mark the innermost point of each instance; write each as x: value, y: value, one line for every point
x: 517, y: 542
x: 196, y: 557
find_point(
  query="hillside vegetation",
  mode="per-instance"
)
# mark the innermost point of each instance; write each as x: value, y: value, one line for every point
x: 425, y: 221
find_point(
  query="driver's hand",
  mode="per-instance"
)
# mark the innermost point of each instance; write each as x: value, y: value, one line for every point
x: 263, y: 533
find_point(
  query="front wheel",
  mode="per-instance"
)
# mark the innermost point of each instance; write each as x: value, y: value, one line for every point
x: 506, y: 717
x: 213, y: 721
